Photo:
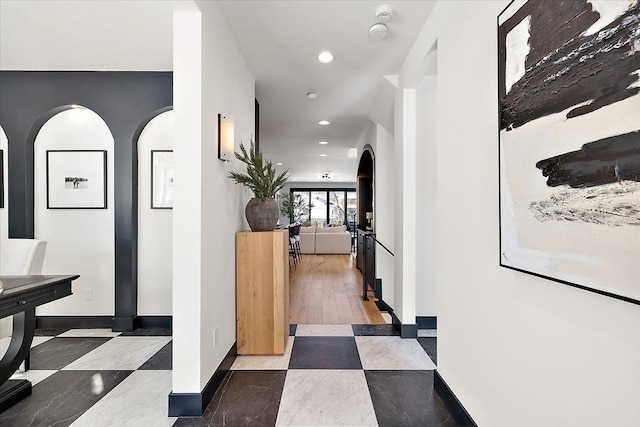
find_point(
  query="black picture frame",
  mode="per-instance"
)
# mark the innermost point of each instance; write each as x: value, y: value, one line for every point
x: 161, y: 179
x: 521, y: 101
x: 70, y: 172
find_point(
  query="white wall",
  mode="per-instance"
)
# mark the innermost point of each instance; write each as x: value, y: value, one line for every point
x: 426, y: 195
x: 4, y: 212
x: 515, y: 349
x: 210, y: 77
x: 155, y: 226
x: 80, y: 241
x: 384, y: 211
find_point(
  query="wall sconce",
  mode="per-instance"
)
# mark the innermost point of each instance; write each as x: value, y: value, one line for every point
x: 226, y: 144
x: 369, y: 217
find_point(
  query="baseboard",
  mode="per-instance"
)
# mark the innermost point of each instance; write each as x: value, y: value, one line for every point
x: 165, y: 322
x: 383, y: 306
x: 427, y: 322
x: 92, y: 322
x: 194, y: 404
x: 459, y: 413
x: 79, y: 322
x: 405, y: 330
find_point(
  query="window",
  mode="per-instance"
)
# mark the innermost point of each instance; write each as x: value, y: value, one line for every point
x: 328, y: 206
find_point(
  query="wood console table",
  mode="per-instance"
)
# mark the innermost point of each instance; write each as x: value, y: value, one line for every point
x: 20, y: 297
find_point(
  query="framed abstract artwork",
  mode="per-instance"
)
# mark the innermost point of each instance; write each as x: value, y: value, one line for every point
x: 569, y: 143
x: 76, y: 179
x: 161, y: 179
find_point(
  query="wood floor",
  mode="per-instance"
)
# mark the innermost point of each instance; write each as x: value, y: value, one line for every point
x: 327, y: 289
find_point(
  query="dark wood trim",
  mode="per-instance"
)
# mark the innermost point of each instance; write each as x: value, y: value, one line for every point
x: 427, y: 322
x: 405, y: 330
x: 194, y: 404
x: 81, y: 322
x: 459, y: 413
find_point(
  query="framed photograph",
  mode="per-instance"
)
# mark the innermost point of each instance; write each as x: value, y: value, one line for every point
x: 1, y: 179
x: 569, y: 143
x: 76, y: 179
x: 161, y: 179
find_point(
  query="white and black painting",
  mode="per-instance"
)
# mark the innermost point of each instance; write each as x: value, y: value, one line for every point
x: 569, y: 83
x: 76, y: 179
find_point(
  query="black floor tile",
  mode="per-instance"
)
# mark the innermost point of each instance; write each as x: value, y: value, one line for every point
x: 374, y: 330
x: 62, y: 398
x: 51, y: 332
x: 430, y: 345
x: 325, y: 353
x: 161, y: 361
x: 407, y: 398
x: 147, y: 332
x: 246, y: 398
x: 59, y: 352
x: 292, y: 330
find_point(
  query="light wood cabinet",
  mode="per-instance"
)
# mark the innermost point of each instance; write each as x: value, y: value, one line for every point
x: 262, y: 291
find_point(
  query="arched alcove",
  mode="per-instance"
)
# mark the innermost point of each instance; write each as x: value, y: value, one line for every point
x: 365, y: 185
x: 155, y: 221
x: 76, y: 218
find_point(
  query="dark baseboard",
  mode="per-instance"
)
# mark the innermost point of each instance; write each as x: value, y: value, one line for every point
x: 383, y: 306
x: 80, y: 322
x: 126, y: 324
x: 405, y: 330
x: 427, y: 322
x: 462, y: 417
x: 194, y: 404
x: 165, y: 322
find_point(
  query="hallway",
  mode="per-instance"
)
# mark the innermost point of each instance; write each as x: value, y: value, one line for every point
x: 327, y: 289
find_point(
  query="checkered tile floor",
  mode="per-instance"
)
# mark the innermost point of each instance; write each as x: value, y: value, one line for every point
x: 330, y: 375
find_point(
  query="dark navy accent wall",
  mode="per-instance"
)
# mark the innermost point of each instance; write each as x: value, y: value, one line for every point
x: 124, y: 100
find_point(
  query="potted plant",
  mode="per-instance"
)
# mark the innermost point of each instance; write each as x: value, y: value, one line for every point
x: 294, y: 207
x: 262, y: 210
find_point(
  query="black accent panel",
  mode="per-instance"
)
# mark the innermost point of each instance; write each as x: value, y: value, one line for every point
x: 124, y: 100
x: 452, y: 403
x: 405, y: 330
x: 427, y: 322
x: 194, y: 404
x: 68, y: 322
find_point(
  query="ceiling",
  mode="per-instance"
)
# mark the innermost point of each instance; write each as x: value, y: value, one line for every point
x: 280, y: 41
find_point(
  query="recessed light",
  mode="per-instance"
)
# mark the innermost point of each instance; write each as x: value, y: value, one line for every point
x: 312, y: 94
x: 324, y: 122
x: 279, y: 164
x: 323, y: 155
x: 323, y: 142
x: 325, y: 57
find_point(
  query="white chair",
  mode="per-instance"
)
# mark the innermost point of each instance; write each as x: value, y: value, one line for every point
x: 20, y: 257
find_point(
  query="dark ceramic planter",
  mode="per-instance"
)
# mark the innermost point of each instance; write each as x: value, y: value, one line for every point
x: 262, y: 213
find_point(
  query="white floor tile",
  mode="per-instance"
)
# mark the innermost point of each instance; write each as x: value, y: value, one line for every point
x: 326, y: 398
x: 139, y: 400
x: 89, y: 333
x: 422, y: 333
x: 39, y: 340
x: 120, y: 353
x: 264, y: 362
x: 33, y: 375
x: 324, y: 331
x: 392, y: 353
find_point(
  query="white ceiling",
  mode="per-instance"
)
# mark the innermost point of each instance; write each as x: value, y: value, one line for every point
x: 279, y: 40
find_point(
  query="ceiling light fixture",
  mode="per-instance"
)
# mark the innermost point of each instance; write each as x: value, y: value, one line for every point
x: 323, y: 142
x: 326, y: 175
x: 325, y: 57
x: 324, y: 122
x: 312, y: 94
x: 279, y: 164
x: 323, y: 155
x: 377, y: 31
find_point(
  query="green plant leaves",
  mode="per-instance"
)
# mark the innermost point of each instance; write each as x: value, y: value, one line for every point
x: 261, y: 176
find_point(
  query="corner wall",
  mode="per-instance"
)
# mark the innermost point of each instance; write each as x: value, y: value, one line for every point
x: 210, y: 77
x: 516, y: 350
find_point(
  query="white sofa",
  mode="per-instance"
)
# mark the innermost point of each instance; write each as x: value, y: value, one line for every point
x: 325, y: 240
